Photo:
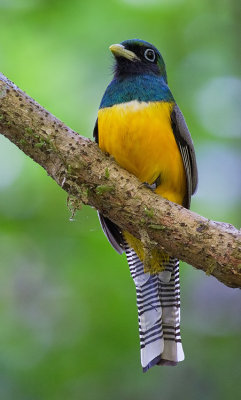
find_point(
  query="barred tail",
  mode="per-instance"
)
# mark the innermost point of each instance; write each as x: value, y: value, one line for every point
x: 158, y: 303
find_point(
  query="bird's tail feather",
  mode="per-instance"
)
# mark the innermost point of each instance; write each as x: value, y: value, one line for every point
x: 158, y: 303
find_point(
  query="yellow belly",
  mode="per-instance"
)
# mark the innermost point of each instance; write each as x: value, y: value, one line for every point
x: 140, y: 138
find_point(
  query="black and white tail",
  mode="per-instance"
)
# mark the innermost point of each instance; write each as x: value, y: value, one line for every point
x: 158, y: 303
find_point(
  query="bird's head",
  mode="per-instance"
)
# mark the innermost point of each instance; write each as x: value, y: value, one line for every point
x: 137, y: 57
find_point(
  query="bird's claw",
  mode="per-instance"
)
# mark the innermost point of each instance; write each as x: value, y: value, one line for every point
x: 148, y: 186
x: 152, y: 186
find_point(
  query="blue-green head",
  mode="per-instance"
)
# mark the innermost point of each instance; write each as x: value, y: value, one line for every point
x: 137, y: 57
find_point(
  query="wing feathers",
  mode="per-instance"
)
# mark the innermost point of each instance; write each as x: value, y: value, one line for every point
x: 185, y: 144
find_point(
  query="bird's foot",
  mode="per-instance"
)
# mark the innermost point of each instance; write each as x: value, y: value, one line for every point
x: 148, y: 186
x: 152, y: 186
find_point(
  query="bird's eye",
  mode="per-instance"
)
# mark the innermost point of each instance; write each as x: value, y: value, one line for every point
x: 150, y: 55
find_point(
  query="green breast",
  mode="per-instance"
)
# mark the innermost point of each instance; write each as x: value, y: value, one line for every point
x: 138, y: 87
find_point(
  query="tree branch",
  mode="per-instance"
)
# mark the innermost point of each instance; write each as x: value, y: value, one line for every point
x: 91, y: 177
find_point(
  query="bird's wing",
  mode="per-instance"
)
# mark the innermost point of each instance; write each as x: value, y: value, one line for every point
x: 95, y: 132
x: 185, y: 144
x: 111, y: 230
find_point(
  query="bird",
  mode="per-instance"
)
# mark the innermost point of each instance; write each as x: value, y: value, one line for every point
x: 141, y: 126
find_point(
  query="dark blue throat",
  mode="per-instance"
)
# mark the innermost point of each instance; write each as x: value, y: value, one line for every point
x: 138, y: 87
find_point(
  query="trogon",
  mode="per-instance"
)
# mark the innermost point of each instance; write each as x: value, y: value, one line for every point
x: 141, y: 126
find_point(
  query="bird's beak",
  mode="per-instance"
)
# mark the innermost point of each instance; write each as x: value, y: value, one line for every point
x: 120, y: 51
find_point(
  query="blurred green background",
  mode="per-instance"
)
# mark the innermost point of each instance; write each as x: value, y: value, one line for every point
x: 68, y: 320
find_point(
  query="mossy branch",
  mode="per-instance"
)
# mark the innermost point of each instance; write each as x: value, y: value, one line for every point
x: 93, y: 178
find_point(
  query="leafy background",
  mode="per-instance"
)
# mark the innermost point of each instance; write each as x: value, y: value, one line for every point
x: 67, y: 303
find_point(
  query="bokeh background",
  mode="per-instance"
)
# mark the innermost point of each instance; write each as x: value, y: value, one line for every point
x: 68, y: 320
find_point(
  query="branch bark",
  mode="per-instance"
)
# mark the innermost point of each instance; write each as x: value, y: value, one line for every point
x: 91, y: 177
